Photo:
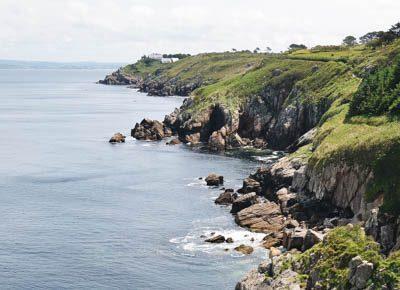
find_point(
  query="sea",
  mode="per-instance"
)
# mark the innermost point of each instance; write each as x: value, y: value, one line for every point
x: 77, y: 212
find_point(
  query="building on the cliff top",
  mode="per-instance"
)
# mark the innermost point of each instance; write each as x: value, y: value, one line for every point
x: 156, y: 56
x: 169, y: 59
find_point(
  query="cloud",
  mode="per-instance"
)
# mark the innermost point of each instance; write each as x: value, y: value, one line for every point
x: 123, y: 30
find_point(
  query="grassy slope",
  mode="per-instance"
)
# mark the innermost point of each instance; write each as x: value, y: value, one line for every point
x: 369, y: 141
x: 231, y: 78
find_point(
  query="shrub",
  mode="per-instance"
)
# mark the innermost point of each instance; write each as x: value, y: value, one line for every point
x: 379, y: 92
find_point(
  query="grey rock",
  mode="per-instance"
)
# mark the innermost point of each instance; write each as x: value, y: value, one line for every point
x: 360, y: 272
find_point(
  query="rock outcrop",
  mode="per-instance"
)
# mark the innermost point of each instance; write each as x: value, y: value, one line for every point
x: 150, y: 130
x: 117, y: 138
x: 120, y: 78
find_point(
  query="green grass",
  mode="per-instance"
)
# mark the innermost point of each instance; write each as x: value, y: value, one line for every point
x: 336, y: 251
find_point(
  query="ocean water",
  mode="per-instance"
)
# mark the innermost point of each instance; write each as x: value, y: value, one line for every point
x: 79, y: 213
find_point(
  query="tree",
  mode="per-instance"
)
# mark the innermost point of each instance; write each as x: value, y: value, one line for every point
x: 295, y: 46
x: 395, y: 30
x: 370, y: 36
x: 234, y: 49
x: 268, y: 49
x: 350, y: 40
x: 256, y: 50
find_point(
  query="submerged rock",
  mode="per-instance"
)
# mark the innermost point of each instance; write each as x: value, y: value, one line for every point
x: 117, y: 138
x: 216, y: 239
x: 229, y: 240
x: 214, y: 179
x: 247, y: 250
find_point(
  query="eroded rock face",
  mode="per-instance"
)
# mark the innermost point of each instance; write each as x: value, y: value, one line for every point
x: 252, y: 281
x: 344, y: 186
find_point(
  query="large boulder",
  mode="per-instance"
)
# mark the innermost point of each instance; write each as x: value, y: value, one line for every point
x: 216, y: 239
x: 214, y: 179
x: 247, y: 250
x: 216, y: 141
x: 244, y: 201
x: 312, y: 237
x: 250, y: 185
x: 117, y: 138
x: 226, y: 198
x: 360, y: 272
x: 294, y: 238
x: 286, y: 199
x: 262, y: 217
x: 192, y: 139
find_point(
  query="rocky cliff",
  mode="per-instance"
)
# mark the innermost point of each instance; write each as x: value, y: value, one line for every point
x: 342, y: 166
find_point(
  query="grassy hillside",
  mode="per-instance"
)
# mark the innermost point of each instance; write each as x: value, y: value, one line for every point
x: 367, y: 135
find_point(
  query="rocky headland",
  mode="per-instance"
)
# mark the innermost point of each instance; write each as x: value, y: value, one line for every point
x: 330, y: 208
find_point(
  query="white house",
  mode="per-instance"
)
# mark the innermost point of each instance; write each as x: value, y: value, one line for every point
x: 156, y: 56
x: 169, y: 59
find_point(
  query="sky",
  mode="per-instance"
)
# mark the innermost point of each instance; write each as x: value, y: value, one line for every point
x: 124, y: 30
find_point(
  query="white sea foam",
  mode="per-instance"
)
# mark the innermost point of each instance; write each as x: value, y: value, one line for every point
x: 195, y: 241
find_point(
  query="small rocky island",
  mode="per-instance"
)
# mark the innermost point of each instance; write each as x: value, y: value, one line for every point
x: 330, y: 207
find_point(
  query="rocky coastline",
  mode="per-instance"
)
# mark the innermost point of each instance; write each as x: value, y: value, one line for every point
x: 297, y: 204
x: 292, y: 204
x: 151, y: 86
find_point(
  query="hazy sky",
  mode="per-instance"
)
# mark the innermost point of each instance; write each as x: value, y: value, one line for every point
x: 123, y: 30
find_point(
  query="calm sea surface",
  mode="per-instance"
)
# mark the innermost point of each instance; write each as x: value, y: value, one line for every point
x: 78, y: 212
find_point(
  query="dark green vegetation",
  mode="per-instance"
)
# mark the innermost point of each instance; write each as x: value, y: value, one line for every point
x: 357, y: 84
x: 379, y: 92
x: 330, y: 259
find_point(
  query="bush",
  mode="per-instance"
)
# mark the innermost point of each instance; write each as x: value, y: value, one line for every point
x: 379, y: 92
x: 330, y: 260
